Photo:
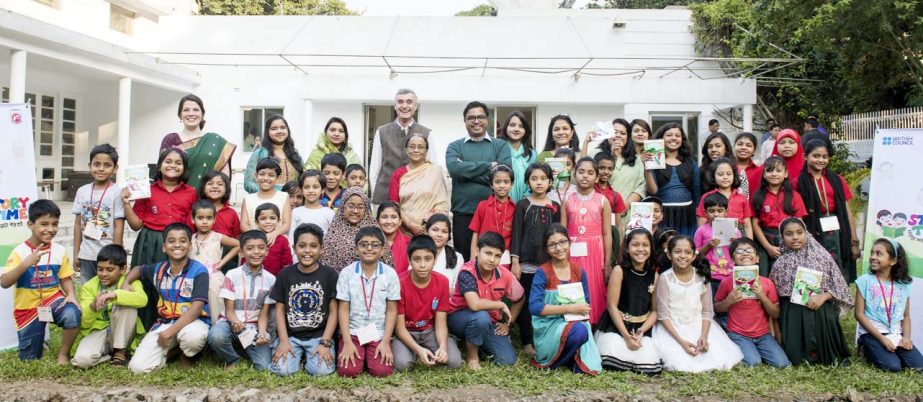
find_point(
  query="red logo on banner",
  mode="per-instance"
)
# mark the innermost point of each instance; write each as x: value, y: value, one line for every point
x: 15, y: 117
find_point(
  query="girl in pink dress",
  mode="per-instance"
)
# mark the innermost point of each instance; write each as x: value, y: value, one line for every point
x: 588, y: 219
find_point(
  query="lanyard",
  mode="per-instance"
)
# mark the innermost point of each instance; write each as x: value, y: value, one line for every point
x: 243, y: 285
x: 822, y: 190
x: 889, y: 302
x: 38, y: 273
x: 163, y: 270
x: 100, y: 203
x: 366, y: 298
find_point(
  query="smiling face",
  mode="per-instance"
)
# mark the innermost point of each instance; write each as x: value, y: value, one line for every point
x: 416, y: 149
x: 355, y: 210
x: 254, y: 252
x: 266, y: 179
x: 439, y: 231
x: 639, y: 134
x: 724, y: 176
x: 744, y: 148
x: 336, y: 133
x: 389, y: 221
x: 561, y: 133
x: 102, y: 167
x: 501, y: 184
x: 775, y: 175
x: 215, y: 189
x: 716, y: 149
x: 476, y: 122
x: 278, y: 132
x: 405, y: 105
x: 108, y: 273
x: 44, y: 228
x: 356, y: 178
x: 172, y: 167
x: 639, y: 249
x: 333, y: 174
x: 880, y: 258
x: 682, y: 254
x: 311, y: 189
x: 369, y: 249
x: 818, y: 159
x: 619, y: 139
x: 605, y: 167
x: 191, y: 115
x: 176, y: 244
x: 787, y: 147
x: 307, y: 249
x: 673, y: 139
x: 794, y: 236
x: 267, y: 220
x: 586, y: 175
x: 558, y: 247
x: 657, y: 216
x: 515, y: 131
x: 745, y: 254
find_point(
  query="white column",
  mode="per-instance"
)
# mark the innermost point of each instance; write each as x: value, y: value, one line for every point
x: 748, y: 118
x: 18, y: 76
x: 124, y: 119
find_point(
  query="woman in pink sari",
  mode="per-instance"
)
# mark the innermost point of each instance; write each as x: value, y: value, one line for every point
x: 419, y: 187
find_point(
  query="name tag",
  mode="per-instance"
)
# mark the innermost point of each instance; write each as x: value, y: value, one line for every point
x: 44, y: 314
x: 829, y: 223
x: 505, y: 258
x: 247, y: 336
x: 92, y: 231
x: 578, y: 249
x: 368, y: 333
x: 612, y: 219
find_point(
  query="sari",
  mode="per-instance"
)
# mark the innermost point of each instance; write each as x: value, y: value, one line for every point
x: 208, y: 152
x: 340, y: 240
x: 422, y: 193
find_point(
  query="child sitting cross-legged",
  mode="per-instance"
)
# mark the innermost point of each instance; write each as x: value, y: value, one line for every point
x: 110, y: 314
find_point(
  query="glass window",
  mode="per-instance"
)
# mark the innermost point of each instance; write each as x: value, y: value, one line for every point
x: 121, y: 19
x: 70, y: 103
x: 44, y: 150
x: 47, y: 101
x: 6, y: 95
x: 254, y: 120
x: 70, y: 115
x: 68, y: 127
x: 47, y: 173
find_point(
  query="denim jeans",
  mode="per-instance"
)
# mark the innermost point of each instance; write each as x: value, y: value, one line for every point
x: 313, y: 364
x: 32, y: 336
x: 477, y: 328
x: 897, y: 360
x: 222, y: 340
x: 763, y: 349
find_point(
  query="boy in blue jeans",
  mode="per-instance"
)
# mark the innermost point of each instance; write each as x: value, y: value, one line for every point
x: 42, y: 273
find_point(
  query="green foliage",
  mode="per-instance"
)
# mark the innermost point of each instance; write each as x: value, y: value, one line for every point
x: 272, y: 7
x: 840, y: 161
x: 483, y: 10
x: 640, y: 4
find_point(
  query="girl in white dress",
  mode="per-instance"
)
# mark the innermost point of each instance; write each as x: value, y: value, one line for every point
x: 687, y: 336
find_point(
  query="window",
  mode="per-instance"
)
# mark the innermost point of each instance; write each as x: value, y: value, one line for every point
x: 690, y: 123
x: 68, y: 131
x: 121, y: 19
x: 46, y: 130
x: 254, y: 119
x: 377, y: 116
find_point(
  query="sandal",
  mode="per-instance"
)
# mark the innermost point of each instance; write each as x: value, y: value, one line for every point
x: 119, y: 361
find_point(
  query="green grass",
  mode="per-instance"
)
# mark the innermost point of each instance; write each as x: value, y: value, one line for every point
x: 518, y: 380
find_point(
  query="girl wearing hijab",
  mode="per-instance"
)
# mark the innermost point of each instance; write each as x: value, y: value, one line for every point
x: 339, y: 242
x: 788, y: 146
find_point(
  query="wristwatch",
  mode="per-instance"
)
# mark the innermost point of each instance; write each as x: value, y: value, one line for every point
x: 326, y: 342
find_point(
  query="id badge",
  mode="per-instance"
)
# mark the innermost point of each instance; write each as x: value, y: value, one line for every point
x: 505, y: 258
x: 44, y: 314
x: 612, y: 219
x: 578, y: 249
x: 92, y: 231
x: 367, y: 334
x: 247, y: 336
x: 829, y: 223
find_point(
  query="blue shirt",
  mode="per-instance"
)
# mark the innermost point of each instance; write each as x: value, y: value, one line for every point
x: 368, y: 297
x: 877, y: 297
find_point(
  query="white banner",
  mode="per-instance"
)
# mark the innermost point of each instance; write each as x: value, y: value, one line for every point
x: 895, y: 209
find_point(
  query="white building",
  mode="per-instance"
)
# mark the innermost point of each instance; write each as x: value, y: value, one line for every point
x: 113, y: 71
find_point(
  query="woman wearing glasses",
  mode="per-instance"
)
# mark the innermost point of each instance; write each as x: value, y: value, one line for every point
x: 418, y: 187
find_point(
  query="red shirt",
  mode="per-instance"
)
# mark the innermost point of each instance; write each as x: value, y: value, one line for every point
x: 501, y: 284
x: 754, y: 175
x: 747, y: 316
x: 738, y: 206
x: 615, y: 200
x: 394, y: 189
x: 278, y: 257
x: 419, y: 306
x: 399, y: 252
x: 165, y: 207
x: 492, y: 216
x: 227, y: 222
x: 771, y: 213
x: 824, y: 188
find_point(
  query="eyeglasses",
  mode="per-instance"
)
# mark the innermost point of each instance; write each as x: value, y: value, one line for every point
x: 354, y: 207
x: 560, y: 244
x: 416, y: 147
x: 480, y: 117
x: 744, y: 250
x: 369, y: 245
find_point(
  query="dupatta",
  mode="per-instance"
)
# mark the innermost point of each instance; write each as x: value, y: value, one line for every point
x: 208, y: 152
x: 422, y: 193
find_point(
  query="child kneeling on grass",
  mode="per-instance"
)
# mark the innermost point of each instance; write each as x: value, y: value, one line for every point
x: 182, y: 297
x: 479, y: 314
x: 110, y: 314
x: 367, y: 316
x: 421, y: 312
x: 306, y: 309
x: 42, y: 272
x: 245, y: 318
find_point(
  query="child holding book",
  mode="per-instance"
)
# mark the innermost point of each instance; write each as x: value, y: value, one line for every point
x: 773, y: 202
x: 480, y: 315
x: 624, y: 334
x: 588, y: 220
x: 605, y: 165
x: 448, y: 261
x: 182, y: 300
x: 267, y: 170
x: 216, y: 187
x: 722, y: 175
x: 421, y: 329
x: 43, y: 275
x: 687, y: 337
x: 279, y: 254
x: 495, y: 214
x: 562, y: 181
x: 208, y: 249
x: 719, y: 258
x: 109, y: 313
x: 389, y: 220
x: 100, y: 214
x: 562, y: 341
x: 332, y: 166
x: 306, y: 309
x: 170, y: 201
x: 751, y: 309
x: 312, y: 185
x: 367, y: 317
x: 245, y: 318
x: 884, y: 316
x: 811, y: 332
x: 533, y: 215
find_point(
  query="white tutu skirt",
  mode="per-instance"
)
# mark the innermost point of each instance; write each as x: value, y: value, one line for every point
x: 723, y: 354
x: 616, y: 355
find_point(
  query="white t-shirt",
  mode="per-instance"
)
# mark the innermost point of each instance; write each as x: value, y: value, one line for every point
x: 319, y: 216
x: 450, y: 272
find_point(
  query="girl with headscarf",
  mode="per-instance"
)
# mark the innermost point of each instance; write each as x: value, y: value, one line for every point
x: 339, y: 242
x: 788, y: 146
x: 810, y: 333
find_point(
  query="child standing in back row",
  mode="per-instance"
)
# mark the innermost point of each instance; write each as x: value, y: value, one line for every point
x: 266, y: 172
x: 495, y: 214
x: 100, y: 214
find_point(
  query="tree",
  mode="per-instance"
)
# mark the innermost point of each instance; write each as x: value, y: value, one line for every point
x: 274, y: 7
x: 483, y: 10
x: 640, y: 4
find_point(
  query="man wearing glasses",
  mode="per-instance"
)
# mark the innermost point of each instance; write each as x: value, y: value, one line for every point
x: 469, y: 161
x: 388, y: 151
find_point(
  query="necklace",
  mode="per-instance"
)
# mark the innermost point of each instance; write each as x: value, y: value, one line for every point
x: 637, y: 273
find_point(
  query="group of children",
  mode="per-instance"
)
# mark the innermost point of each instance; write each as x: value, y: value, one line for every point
x: 264, y: 286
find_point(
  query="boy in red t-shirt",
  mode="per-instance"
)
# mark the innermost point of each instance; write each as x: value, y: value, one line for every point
x: 421, y: 328
x: 749, y: 318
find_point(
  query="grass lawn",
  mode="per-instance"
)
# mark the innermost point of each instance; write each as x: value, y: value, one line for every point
x: 516, y: 381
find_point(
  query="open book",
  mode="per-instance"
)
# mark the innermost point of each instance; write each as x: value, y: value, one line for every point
x: 573, y: 293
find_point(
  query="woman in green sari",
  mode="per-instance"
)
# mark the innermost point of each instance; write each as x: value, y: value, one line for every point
x: 205, y: 151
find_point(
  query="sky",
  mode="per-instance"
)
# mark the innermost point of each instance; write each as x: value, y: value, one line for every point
x: 419, y: 7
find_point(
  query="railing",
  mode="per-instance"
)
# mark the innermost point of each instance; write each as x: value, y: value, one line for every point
x: 858, y: 130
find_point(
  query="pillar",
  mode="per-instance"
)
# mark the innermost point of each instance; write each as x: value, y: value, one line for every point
x: 748, y: 118
x: 124, y: 119
x: 18, y: 76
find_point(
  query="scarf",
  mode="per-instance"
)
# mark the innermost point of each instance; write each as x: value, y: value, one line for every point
x: 340, y: 240
x: 813, y: 202
x: 423, y: 193
x: 795, y: 164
